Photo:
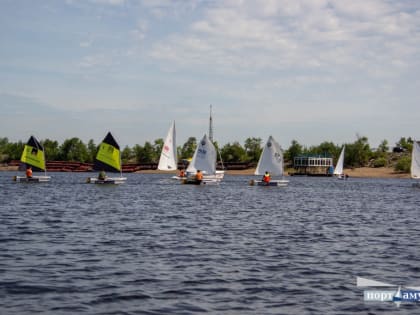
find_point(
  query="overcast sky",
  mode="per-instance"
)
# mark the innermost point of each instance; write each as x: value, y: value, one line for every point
x: 311, y: 70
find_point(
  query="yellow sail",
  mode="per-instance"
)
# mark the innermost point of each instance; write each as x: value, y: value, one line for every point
x: 33, y: 156
x: 109, y: 155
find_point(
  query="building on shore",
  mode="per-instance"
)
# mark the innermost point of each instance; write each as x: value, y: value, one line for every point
x: 313, y: 165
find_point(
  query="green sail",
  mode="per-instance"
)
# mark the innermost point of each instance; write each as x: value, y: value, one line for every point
x: 108, y: 156
x: 33, y: 154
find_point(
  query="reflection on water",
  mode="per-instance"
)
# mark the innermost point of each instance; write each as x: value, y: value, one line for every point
x: 152, y: 246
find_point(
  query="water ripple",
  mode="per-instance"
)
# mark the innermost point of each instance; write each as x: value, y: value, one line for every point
x: 152, y: 246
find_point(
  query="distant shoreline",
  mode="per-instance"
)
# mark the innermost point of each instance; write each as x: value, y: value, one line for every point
x: 361, y: 172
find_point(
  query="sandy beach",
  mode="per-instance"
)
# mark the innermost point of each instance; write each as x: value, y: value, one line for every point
x: 369, y: 172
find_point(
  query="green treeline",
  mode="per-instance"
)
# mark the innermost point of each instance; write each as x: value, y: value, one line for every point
x: 357, y: 153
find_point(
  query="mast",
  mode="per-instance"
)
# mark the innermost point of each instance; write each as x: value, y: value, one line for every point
x: 211, y: 125
x: 211, y: 134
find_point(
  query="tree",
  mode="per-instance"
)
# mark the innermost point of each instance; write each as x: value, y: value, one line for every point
x: 73, y: 150
x: 51, y: 149
x: 137, y: 152
x: 158, y: 146
x: 358, y: 153
x: 92, y: 150
x: 233, y: 153
x: 14, y: 150
x: 406, y: 144
x: 188, y: 148
x: 294, y: 150
x: 383, y: 147
x: 253, y: 149
x: 403, y: 164
x: 3, y: 147
x: 145, y: 154
x: 380, y: 155
x: 127, y: 155
x: 326, y: 148
x: 3, y: 144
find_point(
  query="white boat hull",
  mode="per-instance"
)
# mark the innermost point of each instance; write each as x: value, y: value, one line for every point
x: 207, y: 178
x: 107, y: 181
x: 178, y: 177
x: 214, y: 177
x: 33, y: 179
x: 193, y: 181
x: 273, y: 182
x: 341, y: 176
x: 220, y: 174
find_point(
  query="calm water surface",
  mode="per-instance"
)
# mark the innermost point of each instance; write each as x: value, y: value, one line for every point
x: 152, y: 246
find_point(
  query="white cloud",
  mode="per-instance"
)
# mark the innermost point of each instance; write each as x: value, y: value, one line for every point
x: 245, y: 57
x: 297, y: 34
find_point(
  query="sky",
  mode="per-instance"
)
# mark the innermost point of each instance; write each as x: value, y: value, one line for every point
x: 305, y: 70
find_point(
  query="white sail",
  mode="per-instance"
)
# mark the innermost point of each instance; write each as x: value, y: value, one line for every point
x: 339, y: 168
x: 271, y: 159
x: 415, y: 161
x: 168, y: 158
x: 204, y: 158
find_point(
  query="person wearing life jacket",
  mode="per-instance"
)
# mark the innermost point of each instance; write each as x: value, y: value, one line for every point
x: 199, y: 176
x: 29, y: 172
x: 182, y: 173
x: 266, y: 178
x: 102, y: 175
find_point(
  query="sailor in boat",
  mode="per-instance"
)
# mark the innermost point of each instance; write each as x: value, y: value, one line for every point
x: 199, y: 177
x: 266, y: 178
x: 102, y: 175
x: 182, y: 173
x: 29, y: 171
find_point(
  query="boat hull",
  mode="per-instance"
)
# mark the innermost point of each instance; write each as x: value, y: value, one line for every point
x: 33, y: 179
x: 191, y: 182
x: 217, y: 176
x: 273, y: 182
x: 107, y: 181
x: 341, y: 176
x: 207, y: 180
x: 178, y: 177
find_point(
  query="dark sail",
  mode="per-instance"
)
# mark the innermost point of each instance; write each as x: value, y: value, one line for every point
x: 108, y: 156
x: 33, y: 155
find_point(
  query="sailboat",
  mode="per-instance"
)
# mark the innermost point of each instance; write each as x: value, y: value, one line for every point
x: 415, y: 163
x: 271, y: 160
x: 108, y: 159
x: 33, y: 156
x: 338, y: 171
x: 204, y: 159
x: 168, y: 158
x: 219, y: 173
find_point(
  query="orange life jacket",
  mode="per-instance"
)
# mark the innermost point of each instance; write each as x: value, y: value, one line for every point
x: 266, y: 178
x: 28, y: 172
x: 199, y: 176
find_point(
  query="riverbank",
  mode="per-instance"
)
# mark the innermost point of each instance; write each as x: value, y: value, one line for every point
x: 366, y: 172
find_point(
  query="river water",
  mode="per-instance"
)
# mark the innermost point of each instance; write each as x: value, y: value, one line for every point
x: 152, y: 246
